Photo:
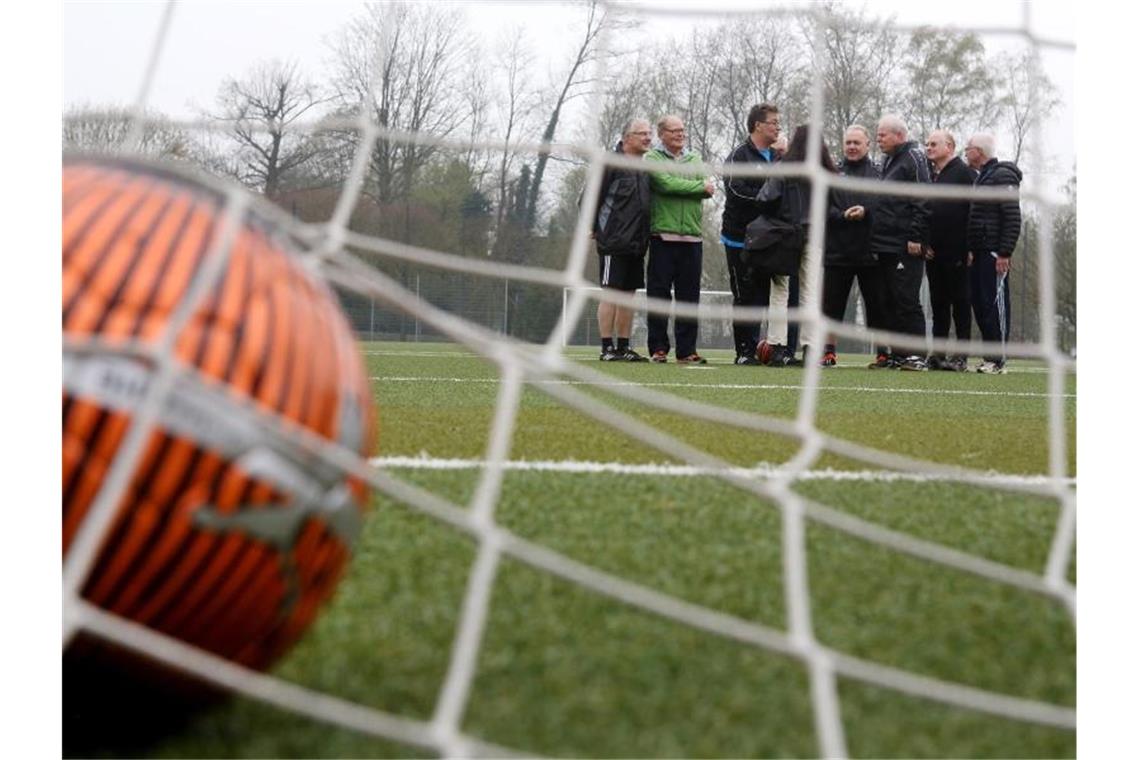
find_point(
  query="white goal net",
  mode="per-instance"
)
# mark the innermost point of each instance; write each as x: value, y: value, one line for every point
x: 393, y: 289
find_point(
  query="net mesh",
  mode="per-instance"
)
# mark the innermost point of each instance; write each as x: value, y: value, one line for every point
x: 372, y: 295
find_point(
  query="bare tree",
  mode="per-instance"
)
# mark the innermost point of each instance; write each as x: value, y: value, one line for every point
x: 423, y: 50
x: 948, y: 82
x: 262, y: 111
x: 1027, y: 98
x: 104, y: 128
x: 516, y: 105
x: 762, y: 62
x: 572, y: 85
x: 857, y: 63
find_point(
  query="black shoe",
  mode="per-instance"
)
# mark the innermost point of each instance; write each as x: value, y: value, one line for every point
x: 747, y: 361
x: 629, y: 355
x: 934, y: 362
x: 957, y: 364
x: 692, y: 359
x: 782, y: 357
x: 611, y: 355
x: 882, y: 361
x: 913, y: 364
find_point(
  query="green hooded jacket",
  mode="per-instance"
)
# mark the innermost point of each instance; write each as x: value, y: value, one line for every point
x: 676, y: 204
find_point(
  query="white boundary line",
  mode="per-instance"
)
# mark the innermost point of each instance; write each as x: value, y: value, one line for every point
x: 726, y: 386
x: 765, y: 470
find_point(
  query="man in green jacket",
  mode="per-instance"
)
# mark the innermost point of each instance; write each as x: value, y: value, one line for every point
x: 675, y: 249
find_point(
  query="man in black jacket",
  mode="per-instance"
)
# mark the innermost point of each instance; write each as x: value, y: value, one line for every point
x: 946, y: 268
x: 847, y: 250
x: 993, y: 230
x: 621, y: 232
x: 899, y: 231
x: 742, y: 205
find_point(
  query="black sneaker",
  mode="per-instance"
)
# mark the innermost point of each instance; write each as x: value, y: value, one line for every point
x: 957, y: 364
x: 692, y: 359
x: 935, y: 362
x: 629, y: 355
x: 913, y: 364
x: 882, y: 361
x: 747, y: 361
x: 782, y: 357
x: 609, y: 356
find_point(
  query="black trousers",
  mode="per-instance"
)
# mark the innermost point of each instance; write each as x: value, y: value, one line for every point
x: 837, y: 282
x: 674, y: 272
x: 949, y: 297
x: 901, y: 278
x: 746, y: 291
x: 990, y: 295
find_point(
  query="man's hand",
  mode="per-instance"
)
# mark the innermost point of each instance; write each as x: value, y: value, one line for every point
x: 913, y: 248
x: 969, y: 258
x: 855, y: 213
x: 1002, y: 264
x: 928, y: 253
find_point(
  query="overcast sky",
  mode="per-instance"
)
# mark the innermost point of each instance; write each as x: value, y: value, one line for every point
x: 106, y: 44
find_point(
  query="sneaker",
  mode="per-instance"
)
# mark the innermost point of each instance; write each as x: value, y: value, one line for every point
x: 660, y: 357
x: 629, y: 355
x: 991, y: 368
x: 692, y: 359
x: 746, y: 360
x: 782, y: 357
x: 913, y: 364
x: 883, y: 361
x: 609, y: 356
x: 934, y: 362
x: 829, y: 359
x: 956, y: 364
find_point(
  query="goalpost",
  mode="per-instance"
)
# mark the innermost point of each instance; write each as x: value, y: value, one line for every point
x: 343, y: 258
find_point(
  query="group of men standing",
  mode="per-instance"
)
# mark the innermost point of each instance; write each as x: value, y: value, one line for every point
x: 886, y: 243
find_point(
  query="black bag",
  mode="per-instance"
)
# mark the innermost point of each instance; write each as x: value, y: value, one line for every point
x: 773, y: 246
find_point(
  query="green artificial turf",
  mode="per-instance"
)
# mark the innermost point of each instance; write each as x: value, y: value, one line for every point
x: 565, y: 671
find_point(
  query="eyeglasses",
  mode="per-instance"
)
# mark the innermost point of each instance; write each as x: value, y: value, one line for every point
x: 642, y: 132
x: 771, y: 123
x: 673, y: 131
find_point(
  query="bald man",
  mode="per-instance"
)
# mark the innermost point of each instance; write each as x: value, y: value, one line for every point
x: 900, y: 228
x: 946, y: 266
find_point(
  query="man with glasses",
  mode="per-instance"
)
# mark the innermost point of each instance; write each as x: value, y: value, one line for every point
x: 675, y: 243
x: 742, y: 205
x: 621, y: 234
x: 992, y: 233
x: 946, y: 268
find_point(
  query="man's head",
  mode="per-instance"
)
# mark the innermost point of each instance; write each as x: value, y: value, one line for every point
x: 671, y: 131
x: 636, y: 137
x: 763, y: 125
x: 856, y: 142
x: 891, y: 133
x: 940, y: 147
x: 979, y: 149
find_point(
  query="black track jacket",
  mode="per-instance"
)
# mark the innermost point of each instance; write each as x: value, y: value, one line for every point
x: 848, y: 242
x: 742, y: 194
x: 949, y: 218
x: 898, y: 219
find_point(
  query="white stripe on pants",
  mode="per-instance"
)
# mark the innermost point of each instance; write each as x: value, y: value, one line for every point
x: 778, y: 302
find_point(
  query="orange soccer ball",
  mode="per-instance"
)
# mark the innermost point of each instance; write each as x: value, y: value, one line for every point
x: 231, y: 533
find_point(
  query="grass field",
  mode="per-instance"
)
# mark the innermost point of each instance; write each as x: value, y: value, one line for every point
x: 564, y: 671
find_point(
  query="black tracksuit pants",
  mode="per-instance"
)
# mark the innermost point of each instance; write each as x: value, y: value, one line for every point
x: 837, y: 282
x: 901, y: 277
x: 990, y: 296
x: 949, y: 297
x: 674, y: 271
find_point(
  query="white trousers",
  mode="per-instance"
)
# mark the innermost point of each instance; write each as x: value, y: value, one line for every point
x: 778, y: 302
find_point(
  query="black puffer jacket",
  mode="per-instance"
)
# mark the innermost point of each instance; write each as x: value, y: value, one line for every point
x: 899, y: 220
x: 949, y: 218
x: 848, y: 241
x: 621, y: 223
x: 995, y: 225
x: 742, y: 194
x: 788, y: 198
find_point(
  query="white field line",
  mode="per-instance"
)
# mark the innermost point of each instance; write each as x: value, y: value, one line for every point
x: 760, y: 470
x: 729, y: 386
